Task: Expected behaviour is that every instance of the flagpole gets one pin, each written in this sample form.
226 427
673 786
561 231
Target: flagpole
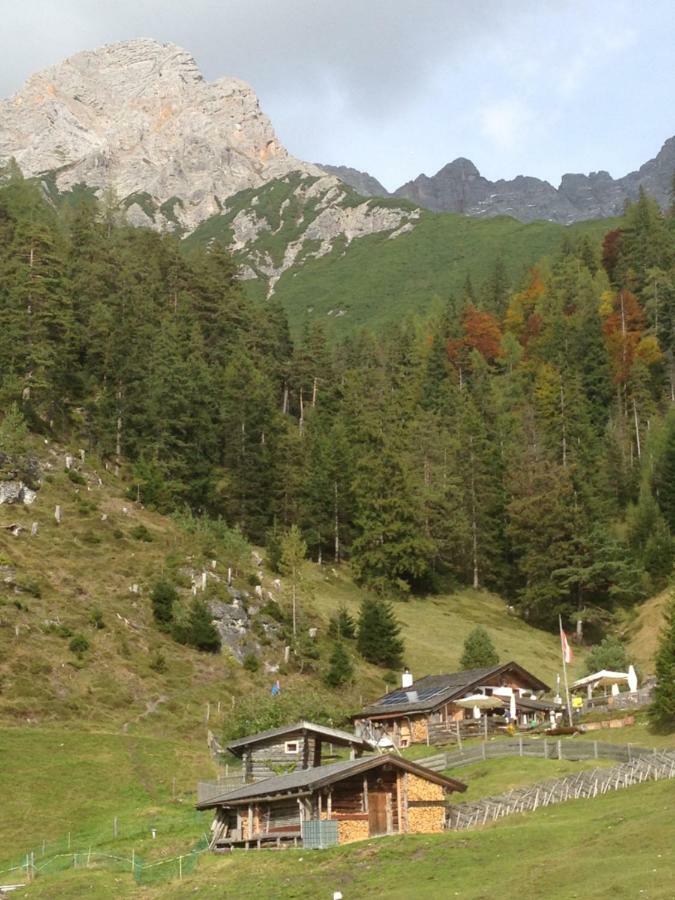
564 662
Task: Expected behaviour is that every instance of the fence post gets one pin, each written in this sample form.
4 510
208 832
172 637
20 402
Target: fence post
69 840
459 736
545 748
180 868
630 757
483 746
559 749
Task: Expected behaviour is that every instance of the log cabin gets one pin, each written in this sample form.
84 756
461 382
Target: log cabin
332 804
437 705
301 745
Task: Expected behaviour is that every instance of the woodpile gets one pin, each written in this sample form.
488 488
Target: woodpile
423 819
419 731
421 789
352 830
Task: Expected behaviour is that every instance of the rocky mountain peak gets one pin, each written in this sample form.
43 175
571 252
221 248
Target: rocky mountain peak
138 116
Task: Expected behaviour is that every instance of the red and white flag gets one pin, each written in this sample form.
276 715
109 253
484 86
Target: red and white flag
566 649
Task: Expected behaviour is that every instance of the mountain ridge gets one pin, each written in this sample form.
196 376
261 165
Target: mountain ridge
459 187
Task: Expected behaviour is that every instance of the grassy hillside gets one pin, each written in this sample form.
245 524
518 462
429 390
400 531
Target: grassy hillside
52 584
643 631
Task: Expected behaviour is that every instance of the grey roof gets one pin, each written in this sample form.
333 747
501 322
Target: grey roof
310 779
427 693
333 735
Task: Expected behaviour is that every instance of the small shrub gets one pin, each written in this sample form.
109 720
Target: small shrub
78 645
253 580
141 533
91 538
75 476
158 662
117 534
29 586
251 662
96 618
86 508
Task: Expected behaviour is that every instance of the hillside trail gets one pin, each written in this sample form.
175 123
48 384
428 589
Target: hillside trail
151 706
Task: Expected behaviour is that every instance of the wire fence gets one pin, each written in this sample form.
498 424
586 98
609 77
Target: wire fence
108 848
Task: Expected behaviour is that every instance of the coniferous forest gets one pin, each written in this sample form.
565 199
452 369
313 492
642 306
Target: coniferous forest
522 441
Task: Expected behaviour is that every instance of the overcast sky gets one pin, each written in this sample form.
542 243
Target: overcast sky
399 87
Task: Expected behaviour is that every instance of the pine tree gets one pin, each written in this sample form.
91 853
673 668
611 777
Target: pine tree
662 709
478 651
293 553
378 639
163 597
341 670
610 654
202 633
342 626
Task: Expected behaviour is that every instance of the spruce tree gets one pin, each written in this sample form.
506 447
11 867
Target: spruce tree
662 709
341 670
478 651
378 639
342 626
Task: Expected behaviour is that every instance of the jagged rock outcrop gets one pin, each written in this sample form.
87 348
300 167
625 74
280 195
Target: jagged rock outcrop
362 182
16 492
459 187
139 117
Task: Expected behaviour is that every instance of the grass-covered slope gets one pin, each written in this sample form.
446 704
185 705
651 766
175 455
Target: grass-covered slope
617 846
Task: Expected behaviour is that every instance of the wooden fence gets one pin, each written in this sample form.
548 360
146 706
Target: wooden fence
589 783
541 748
207 790
625 700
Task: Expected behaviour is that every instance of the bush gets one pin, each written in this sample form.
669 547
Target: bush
89 537
479 651
158 662
251 662
75 476
96 618
141 533
79 645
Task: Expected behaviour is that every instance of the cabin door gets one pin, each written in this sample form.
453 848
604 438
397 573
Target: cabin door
377 813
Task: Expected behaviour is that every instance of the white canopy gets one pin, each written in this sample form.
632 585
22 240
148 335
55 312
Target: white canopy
603 678
481 701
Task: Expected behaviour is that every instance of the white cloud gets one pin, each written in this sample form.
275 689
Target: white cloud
506 122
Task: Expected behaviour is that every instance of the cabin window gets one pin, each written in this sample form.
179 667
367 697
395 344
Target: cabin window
291 746
488 692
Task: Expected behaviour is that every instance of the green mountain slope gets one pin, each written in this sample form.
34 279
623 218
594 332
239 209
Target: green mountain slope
370 279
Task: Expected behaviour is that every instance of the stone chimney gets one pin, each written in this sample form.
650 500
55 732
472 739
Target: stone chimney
406 678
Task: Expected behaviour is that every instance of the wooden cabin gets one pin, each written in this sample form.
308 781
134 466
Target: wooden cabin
302 745
332 804
437 705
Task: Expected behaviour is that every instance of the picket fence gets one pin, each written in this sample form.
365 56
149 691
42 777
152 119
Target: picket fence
589 783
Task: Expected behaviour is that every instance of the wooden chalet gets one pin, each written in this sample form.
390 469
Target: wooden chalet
438 705
298 746
332 804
